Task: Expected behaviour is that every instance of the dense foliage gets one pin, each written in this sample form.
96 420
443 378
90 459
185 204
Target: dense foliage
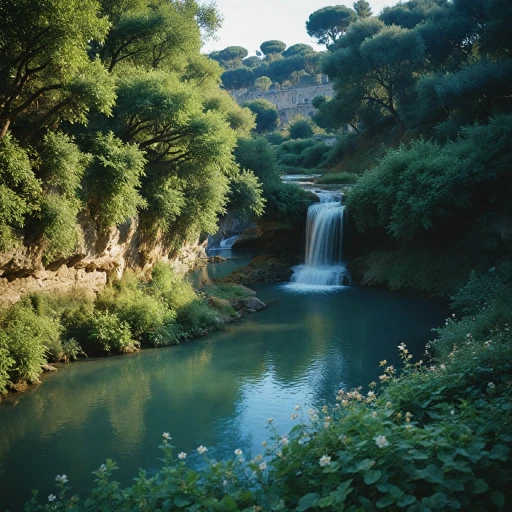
129 314
108 109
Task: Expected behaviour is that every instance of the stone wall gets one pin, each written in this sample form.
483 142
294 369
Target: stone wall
291 101
96 259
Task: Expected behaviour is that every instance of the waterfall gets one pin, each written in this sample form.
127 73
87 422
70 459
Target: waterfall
323 265
229 242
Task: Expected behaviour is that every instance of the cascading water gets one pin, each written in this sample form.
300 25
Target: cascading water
229 242
324 246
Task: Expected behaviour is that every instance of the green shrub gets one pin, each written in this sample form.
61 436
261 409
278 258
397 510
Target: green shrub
113 181
197 319
169 333
6 363
287 202
275 138
59 226
314 156
300 128
19 191
246 195
171 287
110 334
28 337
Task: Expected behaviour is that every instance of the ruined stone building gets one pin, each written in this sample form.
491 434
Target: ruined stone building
290 101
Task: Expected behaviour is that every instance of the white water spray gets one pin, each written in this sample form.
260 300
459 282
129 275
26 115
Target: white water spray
324 266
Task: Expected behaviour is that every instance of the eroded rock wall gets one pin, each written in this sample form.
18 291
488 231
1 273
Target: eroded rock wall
95 261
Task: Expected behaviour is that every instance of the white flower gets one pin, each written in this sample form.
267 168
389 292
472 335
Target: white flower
325 461
453 315
63 479
284 440
202 449
166 436
370 394
270 420
225 483
182 455
264 444
103 468
298 406
381 441
314 417
374 414
241 460
293 416
491 386
263 466
52 497
238 452
452 412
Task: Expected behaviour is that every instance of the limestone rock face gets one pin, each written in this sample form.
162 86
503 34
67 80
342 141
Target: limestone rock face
96 259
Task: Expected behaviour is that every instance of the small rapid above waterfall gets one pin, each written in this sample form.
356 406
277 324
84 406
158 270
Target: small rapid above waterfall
323 268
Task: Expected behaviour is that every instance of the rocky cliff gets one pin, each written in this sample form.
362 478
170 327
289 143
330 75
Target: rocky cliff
96 259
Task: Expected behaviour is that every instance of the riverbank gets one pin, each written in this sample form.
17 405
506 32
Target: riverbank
130 314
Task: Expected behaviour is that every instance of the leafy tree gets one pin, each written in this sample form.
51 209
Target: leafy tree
263 83
298 49
260 157
238 78
19 191
300 128
376 64
233 56
240 119
251 62
362 8
328 24
44 62
281 70
267 116
272 47
62 168
246 195
410 14
312 63
113 181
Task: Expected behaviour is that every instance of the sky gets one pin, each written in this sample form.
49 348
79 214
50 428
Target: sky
248 23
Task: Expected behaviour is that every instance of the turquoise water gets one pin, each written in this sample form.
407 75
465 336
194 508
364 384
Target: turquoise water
218 391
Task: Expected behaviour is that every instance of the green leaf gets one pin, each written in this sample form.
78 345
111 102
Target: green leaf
406 500
435 502
372 476
182 501
500 452
479 486
385 502
326 501
308 501
498 498
229 503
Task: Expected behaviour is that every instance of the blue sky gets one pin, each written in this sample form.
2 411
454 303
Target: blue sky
248 23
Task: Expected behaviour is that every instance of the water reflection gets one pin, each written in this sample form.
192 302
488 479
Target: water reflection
218 391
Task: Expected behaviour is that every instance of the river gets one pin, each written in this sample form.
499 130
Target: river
218 391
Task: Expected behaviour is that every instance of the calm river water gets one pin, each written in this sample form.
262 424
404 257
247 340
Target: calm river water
218 391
